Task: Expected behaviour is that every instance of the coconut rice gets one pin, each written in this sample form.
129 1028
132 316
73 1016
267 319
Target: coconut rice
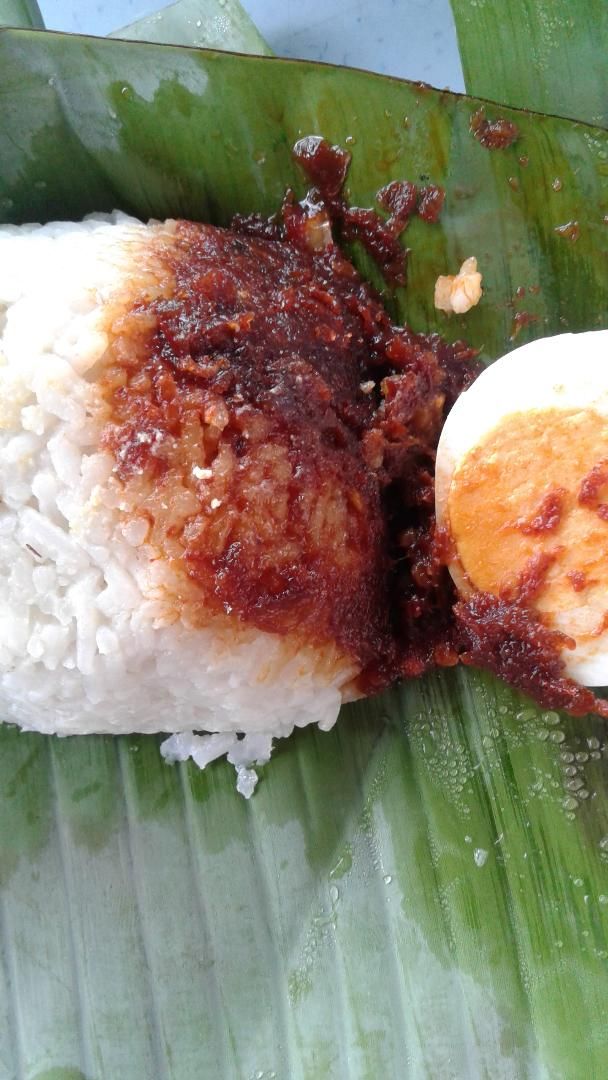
86 641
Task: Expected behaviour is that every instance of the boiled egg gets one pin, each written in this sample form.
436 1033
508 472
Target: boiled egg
522 473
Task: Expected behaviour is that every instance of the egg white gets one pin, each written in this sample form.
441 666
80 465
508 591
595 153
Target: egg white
569 371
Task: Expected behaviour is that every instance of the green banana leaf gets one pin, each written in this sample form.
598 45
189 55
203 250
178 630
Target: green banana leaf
423 891
215 24
21 13
537 54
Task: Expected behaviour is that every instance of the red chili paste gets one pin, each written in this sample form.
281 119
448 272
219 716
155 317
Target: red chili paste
493 134
548 517
317 420
578 580
594 482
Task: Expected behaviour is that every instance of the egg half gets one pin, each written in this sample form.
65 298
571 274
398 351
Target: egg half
522 473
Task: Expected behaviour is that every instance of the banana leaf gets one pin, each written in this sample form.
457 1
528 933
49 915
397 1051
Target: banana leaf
422 891
21 13
548 56
216 24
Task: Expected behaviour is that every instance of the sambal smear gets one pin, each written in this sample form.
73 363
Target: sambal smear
277 433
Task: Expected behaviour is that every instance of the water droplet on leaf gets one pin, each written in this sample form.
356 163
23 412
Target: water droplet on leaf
557 737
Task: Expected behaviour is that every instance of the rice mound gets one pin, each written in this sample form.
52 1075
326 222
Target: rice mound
83 644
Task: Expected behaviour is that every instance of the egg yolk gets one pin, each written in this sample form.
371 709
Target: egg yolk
535 485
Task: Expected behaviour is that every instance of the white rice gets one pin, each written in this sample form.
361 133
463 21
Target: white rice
83 643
